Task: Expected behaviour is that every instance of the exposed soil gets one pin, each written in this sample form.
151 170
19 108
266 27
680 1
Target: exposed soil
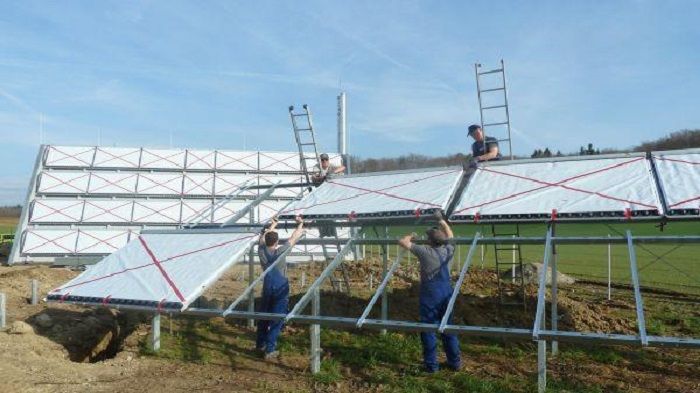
70 348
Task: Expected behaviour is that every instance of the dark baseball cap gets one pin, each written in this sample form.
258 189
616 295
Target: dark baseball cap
473 128
323 156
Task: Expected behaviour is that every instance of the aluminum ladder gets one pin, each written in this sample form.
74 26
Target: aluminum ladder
305 138
492 92
509 258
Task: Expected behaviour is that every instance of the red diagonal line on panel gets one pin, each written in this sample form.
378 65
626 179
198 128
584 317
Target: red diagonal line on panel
67 156
164 158
162 270
107 211
233 185
198 159
239 160
56 211
683 162
149 264
678 160
379 191
194 211
105 241
197 185
579 176
113 183
50 241
156 184
282 161
158 212
383 193
117 157
65 183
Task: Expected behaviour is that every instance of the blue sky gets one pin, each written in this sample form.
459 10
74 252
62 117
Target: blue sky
221 74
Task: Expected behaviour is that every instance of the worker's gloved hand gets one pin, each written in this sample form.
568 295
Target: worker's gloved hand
473 163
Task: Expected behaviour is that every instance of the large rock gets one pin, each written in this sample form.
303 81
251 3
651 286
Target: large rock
20 327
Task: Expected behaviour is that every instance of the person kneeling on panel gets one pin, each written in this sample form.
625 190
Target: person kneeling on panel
275 295
435 290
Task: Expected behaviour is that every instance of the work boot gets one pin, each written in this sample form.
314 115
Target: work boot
271 356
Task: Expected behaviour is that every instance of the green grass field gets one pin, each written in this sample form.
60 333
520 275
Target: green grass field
677 269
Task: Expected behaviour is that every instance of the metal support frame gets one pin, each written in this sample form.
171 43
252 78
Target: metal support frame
458 284
554 292
34 297
241 213
155 332
315 333
321 278
385 272
3 310
380 291
208 212
641 323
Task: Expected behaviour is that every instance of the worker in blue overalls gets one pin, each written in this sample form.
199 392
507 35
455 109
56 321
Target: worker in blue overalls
435 290
275 295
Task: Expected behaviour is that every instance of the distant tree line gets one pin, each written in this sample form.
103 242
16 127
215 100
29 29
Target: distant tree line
683 139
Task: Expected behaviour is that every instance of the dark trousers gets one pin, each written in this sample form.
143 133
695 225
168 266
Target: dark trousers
433 304
275 299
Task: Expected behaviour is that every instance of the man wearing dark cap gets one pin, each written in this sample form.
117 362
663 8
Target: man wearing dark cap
325 170
435 290
483 149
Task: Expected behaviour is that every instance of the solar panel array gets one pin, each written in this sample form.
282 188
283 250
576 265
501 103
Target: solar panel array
90 201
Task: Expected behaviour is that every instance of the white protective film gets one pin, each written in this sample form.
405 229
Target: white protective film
237 160
69 156
49 241
229 209
117 157
60 182
162 159
198 210
397 193
198 184
606 185
679 175
101 241
157 211
159 183
112 182
282 192
201 159
159 268
56 211
107 211
279 162
226 183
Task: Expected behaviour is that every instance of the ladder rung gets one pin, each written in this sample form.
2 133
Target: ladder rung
493 107
299 114
303 129
307 144
491 71
494 89
495 124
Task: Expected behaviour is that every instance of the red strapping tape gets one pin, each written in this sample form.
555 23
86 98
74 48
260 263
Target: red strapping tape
352 216
63 298
628 213
417 212
554 214
477 217
160 305
105 301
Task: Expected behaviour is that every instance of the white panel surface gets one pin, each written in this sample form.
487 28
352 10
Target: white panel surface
112 182
117 157
49 241
569 187
157 211
57 211
279 162
268 209
101 241
228 210
192 208
266 180
679 175
237 160
201 159
400 193
63 182
75 156
198 184
107 211
163 159
159 183
159 269
225 183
